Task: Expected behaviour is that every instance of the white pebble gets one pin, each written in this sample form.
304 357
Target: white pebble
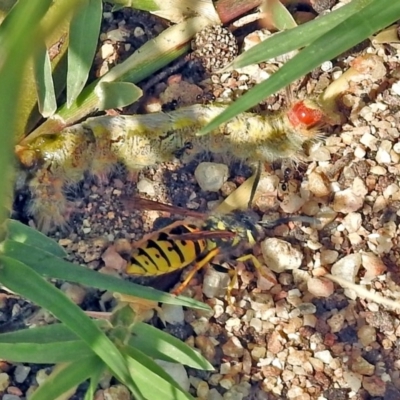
352 222
177 372
146 186
211 176
21 373
347 201
347 268
106 50
369 140
280 255
173 314
215 283
292 203
383 156
359 152
320 287
324 355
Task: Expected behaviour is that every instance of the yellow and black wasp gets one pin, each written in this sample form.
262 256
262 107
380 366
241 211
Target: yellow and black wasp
183 243
210 237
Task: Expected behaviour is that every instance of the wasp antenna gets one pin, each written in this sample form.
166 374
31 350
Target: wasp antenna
293 218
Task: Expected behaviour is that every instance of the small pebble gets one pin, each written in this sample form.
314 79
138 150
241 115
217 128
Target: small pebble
347 267
233 348
318 185
367 335
347 201
373 265
336 323
173 314
320 287
307 308
324 355
177 372
21 373
353 380
361 366
280 255
74 292
375 386
146 186
4 381
328 256
211 176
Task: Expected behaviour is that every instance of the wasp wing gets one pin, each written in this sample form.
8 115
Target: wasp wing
139 203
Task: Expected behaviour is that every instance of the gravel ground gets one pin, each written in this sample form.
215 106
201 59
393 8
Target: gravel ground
296 335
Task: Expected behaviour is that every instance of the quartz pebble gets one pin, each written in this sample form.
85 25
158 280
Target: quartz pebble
177 372
367 335
173 314
146 186
233 348
74 292
347 201
318 185
211 176
21 373
280 255
4 381
320 287
361 366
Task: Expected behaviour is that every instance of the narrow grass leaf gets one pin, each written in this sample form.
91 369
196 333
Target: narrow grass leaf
280 15
18 38
49 344
151 379
21 233
65 378
53 267
285 42
83 37
95 377
23 280
161 345
47 101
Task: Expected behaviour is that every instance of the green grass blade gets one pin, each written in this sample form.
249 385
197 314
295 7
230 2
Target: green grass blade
161 345
47 101
21 233
152 380
83 36
345 35
95 377
53 267
15 44
49 344
280 15
66 377
284 42
23 280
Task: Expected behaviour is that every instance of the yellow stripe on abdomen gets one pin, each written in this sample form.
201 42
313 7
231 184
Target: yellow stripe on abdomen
163 255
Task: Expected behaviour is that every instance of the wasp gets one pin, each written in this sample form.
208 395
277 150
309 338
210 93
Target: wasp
208 239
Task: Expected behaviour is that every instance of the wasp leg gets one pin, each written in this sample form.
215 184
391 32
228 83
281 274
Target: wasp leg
233 275
198 266
257 265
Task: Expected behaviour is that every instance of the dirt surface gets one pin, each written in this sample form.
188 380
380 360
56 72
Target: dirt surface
293 335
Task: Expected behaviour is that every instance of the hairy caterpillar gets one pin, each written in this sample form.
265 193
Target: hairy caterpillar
139 141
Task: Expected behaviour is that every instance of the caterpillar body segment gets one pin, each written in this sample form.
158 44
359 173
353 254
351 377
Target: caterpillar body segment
138 141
